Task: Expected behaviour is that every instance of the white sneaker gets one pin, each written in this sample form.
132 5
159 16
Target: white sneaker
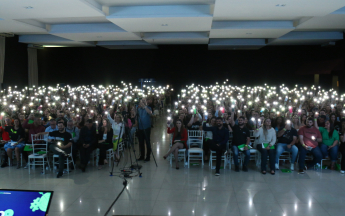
342 171
317 166
277 166
292 167
217 174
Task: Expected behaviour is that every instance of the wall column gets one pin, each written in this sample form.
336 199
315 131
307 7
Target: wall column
2 60
316 79
335 82
32 67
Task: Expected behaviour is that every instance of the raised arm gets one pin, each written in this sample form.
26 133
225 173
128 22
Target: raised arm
191 121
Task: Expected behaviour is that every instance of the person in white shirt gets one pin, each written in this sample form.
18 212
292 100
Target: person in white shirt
266 134
118 130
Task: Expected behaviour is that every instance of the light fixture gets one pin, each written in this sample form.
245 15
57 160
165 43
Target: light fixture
164 24
28 7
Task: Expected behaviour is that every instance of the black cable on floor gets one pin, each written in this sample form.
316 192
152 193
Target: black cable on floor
118 196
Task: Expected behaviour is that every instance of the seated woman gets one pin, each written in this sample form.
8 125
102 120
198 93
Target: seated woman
17 144
105 136
179 140
330 141
266 134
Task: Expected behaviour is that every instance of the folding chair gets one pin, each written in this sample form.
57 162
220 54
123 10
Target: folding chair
43 147
195 151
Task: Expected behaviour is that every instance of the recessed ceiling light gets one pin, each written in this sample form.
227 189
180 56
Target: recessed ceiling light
280 5
164 24
28 7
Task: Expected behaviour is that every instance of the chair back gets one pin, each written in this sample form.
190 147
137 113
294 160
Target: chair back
40 141
195 138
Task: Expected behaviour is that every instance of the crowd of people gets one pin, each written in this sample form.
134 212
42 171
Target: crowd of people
307 122
77 121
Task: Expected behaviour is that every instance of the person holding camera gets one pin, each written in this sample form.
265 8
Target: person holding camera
144 132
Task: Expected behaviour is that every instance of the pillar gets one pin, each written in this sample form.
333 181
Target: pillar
316 79
32 67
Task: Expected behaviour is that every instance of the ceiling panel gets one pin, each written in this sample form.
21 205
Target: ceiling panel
330 21
250 29
152 2
236 44
13 26
71 20
273 9
38 9
306 38
92 32
162 18
51 40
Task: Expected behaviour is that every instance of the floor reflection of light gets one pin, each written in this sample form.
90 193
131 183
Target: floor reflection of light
99 209
309 204
193 211
250 202
295 207
61 205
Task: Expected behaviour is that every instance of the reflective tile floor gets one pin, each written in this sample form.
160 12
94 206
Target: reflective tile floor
163 190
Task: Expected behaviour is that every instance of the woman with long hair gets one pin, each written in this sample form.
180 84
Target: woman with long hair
105 136
295 122
303 120
17 135
265 145
118 130
179 140
333 121
330 140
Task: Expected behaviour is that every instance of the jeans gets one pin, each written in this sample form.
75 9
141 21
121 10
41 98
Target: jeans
61 152
144 136
333 152
219 153
264 153
281 147
235 151
316 152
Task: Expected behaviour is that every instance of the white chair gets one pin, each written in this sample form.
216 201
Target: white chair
110 155
42 142
69 160
195 151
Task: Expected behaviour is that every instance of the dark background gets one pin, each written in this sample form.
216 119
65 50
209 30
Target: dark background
176 65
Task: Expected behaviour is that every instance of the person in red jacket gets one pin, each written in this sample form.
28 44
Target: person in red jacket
5 137
179 139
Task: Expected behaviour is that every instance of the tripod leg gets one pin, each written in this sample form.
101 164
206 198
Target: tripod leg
154 158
